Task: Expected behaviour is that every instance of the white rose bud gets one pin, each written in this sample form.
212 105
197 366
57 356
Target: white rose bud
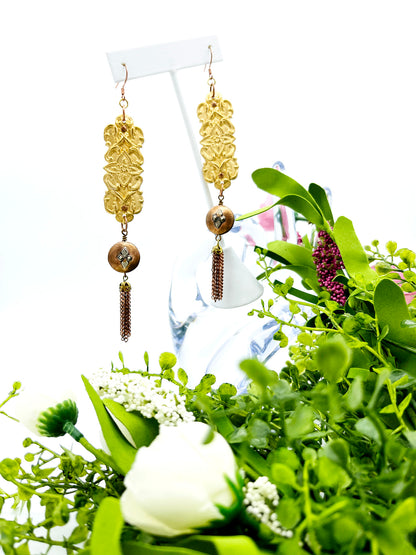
177 484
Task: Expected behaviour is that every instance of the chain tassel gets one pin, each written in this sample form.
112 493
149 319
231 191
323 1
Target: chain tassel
217 273
125 313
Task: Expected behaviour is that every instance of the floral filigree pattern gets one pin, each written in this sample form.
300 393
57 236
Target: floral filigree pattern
123 170
217 141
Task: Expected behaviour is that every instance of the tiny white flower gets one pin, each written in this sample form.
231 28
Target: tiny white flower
261 498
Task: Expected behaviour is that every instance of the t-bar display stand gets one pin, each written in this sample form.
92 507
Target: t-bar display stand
169 57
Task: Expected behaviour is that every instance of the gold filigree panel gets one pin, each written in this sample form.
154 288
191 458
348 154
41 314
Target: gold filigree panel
217 141
124 168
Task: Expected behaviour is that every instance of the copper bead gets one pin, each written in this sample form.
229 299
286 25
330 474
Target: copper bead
220 219
124 257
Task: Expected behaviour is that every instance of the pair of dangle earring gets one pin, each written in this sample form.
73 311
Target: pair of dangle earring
220 168
123 180
123 198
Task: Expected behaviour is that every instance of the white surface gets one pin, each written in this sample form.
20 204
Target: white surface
327 87
160 58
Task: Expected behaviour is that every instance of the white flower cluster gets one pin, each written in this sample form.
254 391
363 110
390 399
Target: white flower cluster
136 392
261 499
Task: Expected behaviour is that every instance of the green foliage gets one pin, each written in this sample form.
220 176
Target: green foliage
334 430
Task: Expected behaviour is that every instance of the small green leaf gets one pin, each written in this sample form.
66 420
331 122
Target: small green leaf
78 534
346 529
167 361
146 359
337 451
404 404
24 493
227 390
9 468
391 247
367 428
282 474
257 372
301 422
182 376
331 475
355 394
305 338
288 513
333 359
384 332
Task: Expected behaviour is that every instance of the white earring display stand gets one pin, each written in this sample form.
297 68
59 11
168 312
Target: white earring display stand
170 58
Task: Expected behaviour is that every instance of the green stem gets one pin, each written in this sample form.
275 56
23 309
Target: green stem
34 491
99 454
49 541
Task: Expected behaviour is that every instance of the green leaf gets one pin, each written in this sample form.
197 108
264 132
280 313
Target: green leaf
24 494
257 372
355 394
22 549
321 199
167 361
223 545
391 247
142 430
258 432
403 517
301 422
331 475
345 530
182 376
282 474
78 534
367 428
305 338
140 548
255 212
288 513
304 207
108 524
337 451
391 310
227 390
9 468
121 451
352 253
294 254
333 358
390 542
404 404
281 185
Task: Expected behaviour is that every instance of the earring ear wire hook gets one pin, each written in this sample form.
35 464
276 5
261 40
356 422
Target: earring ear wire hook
123 101
211 80
125 79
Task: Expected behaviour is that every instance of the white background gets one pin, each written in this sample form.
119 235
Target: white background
325 86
